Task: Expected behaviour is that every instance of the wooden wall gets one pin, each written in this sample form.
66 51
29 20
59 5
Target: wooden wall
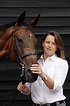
54 15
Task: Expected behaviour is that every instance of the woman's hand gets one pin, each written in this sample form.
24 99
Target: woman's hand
36 69
23 88
20 86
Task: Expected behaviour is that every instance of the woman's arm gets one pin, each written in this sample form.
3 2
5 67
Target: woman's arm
47 80
36 68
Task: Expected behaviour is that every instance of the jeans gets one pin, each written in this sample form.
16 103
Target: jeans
62 104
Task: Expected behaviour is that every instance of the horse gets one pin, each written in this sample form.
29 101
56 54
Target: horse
18 42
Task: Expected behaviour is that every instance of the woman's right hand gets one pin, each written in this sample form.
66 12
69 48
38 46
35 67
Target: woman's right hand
20 87
23 88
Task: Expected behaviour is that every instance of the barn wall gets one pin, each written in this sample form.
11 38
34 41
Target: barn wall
54 15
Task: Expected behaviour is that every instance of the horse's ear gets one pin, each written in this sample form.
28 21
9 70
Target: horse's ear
20 19
34 21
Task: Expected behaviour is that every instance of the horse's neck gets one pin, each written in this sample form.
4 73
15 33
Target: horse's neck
5 36
1 33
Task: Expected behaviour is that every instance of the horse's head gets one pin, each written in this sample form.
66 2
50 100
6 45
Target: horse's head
19 43
24 45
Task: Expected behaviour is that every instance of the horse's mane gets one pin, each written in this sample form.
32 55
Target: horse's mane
5 26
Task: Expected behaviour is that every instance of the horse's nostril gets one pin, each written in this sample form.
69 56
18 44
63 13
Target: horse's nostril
29 70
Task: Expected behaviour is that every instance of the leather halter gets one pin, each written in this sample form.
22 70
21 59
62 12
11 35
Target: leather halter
18 56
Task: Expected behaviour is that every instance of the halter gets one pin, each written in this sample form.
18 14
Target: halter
18 56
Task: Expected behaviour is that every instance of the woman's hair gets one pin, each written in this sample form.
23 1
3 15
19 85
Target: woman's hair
59 43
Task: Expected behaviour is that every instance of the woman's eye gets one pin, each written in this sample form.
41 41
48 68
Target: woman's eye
53 43
47 42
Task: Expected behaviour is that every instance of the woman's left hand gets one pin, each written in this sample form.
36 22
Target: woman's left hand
36 68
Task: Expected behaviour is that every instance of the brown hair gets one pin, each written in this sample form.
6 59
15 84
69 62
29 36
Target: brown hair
59 43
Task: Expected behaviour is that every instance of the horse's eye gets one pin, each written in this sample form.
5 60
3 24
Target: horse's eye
20 40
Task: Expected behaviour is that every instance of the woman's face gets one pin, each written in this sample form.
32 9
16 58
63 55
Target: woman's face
49 46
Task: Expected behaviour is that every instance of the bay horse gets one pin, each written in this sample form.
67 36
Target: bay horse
18 42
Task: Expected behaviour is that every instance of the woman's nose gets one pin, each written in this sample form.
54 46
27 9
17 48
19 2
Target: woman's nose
50 44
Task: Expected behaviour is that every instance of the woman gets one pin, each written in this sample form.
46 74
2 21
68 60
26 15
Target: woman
52 69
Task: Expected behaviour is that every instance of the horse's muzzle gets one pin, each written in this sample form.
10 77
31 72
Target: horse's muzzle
28 76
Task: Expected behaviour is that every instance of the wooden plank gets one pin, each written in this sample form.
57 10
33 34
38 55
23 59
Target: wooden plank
43 30
67 102
67 84
16 103
33 11
8 85
43 21
52 21
10 94
66 93
9 75
34 3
